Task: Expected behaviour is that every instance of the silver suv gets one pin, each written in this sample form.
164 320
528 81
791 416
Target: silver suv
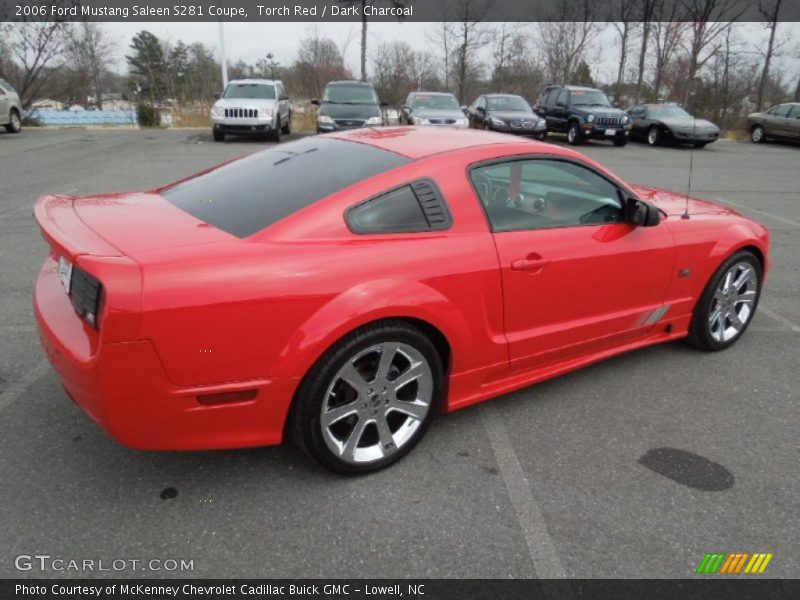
252 106
10 108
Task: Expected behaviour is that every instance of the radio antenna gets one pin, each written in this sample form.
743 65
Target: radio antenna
685 214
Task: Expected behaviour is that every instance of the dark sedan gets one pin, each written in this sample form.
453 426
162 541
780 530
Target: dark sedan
506 113
660 123
779 122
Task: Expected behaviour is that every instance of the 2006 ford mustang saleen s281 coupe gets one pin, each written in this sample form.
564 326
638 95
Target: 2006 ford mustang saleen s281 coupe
342 289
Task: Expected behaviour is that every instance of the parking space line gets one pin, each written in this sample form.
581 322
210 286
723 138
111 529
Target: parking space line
540 545
759 211
779 318
20 387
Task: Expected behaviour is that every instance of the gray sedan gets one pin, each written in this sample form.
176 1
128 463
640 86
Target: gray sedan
432 108
779 122
10 108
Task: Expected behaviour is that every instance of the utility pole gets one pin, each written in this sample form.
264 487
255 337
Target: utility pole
222 60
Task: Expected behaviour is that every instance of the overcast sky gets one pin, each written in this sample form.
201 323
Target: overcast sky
252 41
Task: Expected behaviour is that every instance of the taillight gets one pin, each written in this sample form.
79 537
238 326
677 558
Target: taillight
86 294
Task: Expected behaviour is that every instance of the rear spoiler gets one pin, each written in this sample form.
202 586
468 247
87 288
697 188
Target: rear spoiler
64 230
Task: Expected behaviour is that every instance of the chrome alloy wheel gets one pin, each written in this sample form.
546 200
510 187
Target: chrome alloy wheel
652 136
16 125
376 402
733 302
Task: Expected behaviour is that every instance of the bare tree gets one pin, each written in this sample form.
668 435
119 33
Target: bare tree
563 43
647 9
90 50
318 62
705 28
362 6
442 38
393 80
471 34
770 10
667 38
623 16
36 50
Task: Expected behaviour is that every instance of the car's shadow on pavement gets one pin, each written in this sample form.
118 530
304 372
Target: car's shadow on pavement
245 140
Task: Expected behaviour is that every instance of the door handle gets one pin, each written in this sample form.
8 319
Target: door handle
532 263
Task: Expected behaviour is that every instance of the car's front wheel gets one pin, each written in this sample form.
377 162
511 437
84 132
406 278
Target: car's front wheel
574 134
369 399
758 134
219 134
653 138
14 124
728 303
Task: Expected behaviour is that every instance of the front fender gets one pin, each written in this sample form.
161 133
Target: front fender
363 304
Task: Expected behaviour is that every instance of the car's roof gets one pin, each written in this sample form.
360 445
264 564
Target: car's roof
256 81
350 82
419 92
419 142
496 95
584 88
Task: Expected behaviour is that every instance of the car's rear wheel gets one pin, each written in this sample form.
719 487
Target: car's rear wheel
653 138
486 126
728 303
757 134
219 135
14 124
574 134
369 399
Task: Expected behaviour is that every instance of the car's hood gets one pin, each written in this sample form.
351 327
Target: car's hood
687 123
140 222
245 103
514 115
349 111
601 111
674 203
431 113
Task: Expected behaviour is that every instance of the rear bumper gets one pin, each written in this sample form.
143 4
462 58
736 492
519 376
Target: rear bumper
124 387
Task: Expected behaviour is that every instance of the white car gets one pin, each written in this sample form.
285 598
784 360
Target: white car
252 107
10 108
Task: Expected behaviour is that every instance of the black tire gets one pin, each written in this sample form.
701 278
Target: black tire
574 137
486 126
758 135
305 418
619 142
653 136
275 134
541 136
219 135
700 330
287 129
15 122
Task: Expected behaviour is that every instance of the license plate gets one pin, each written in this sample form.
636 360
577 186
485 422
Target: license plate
611 132
64 272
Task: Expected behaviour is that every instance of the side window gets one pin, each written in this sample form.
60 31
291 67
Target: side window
782 110
562 96
795 114
416 207
542 101
481 103
545 193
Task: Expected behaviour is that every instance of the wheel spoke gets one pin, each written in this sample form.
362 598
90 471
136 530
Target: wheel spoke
349 449
337 414
743 278
747 297
353 378
413 373
388 352
726 284
715 316
735 320
415 409
385 434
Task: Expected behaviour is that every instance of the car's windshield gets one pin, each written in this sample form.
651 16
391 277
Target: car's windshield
350 94
435 102
510 103
663 112
250 90
589 98
6 87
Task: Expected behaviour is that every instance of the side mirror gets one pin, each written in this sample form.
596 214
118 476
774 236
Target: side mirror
641 214
481 110
217 95
464 109
407 109
561 104
315 102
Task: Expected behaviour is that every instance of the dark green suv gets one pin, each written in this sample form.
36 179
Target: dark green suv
582 113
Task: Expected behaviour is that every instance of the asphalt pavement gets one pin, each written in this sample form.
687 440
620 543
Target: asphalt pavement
635 467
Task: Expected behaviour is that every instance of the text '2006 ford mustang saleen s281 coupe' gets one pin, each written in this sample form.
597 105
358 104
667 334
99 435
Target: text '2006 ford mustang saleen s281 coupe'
342 289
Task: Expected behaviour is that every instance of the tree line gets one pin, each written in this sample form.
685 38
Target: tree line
709 66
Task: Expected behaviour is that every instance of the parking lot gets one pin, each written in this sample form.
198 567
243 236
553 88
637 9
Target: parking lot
555 480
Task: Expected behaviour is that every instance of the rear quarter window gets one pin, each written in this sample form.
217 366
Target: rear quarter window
250 194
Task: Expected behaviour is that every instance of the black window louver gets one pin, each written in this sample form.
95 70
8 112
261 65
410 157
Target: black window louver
432 203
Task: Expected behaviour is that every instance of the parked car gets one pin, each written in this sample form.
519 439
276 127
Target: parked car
660 123
506 113
348 105
432 108
389 275
252 106
781 122
10 108
583 113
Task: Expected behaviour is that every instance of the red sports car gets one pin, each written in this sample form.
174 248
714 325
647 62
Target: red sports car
342 289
